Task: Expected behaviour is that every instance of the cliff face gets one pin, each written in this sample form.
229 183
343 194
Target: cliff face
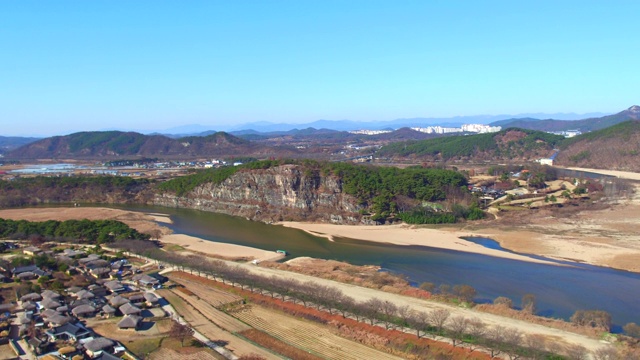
275 194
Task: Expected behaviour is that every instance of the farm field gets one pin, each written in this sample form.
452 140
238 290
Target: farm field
214 297
212 314
211 331
315 338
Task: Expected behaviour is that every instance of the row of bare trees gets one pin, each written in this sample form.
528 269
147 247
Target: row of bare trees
471 333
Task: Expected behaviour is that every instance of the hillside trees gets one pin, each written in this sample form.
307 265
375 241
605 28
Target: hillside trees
84 231
381 191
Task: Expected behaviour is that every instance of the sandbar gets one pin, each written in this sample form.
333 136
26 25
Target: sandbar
230 251
409 235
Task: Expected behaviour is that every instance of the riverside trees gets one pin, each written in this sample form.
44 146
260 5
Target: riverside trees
83 231
438 322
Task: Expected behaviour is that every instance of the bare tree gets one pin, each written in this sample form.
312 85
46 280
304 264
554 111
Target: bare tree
180 331
428 286
513 341
464 292
537 344
576 352
372 309
457 328
593 318
607 353
632 329
529 303
404 313
503 301
438 318
419 321
388 310
496 336
476 329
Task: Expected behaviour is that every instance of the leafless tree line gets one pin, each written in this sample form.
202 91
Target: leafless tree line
462 331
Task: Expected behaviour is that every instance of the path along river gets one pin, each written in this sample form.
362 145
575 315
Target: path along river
559 290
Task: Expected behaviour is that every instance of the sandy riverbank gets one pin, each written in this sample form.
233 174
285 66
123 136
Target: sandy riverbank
606 237
146 223
228 251
407 235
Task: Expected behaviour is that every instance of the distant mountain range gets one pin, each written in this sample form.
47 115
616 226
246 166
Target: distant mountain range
315 142
117 144
349 125
8 143
615 147
584 125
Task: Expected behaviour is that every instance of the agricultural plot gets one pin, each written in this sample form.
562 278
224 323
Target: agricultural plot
212 314
211 331
315 338
214 297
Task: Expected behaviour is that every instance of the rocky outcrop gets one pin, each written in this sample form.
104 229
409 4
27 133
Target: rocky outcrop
285 192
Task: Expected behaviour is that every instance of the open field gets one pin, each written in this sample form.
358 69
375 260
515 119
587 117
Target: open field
315 338
212 314
199 323
151 341
213 296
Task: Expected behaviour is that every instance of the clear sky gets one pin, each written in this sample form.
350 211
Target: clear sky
69 66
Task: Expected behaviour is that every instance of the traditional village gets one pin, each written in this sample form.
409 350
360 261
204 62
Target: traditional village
45 318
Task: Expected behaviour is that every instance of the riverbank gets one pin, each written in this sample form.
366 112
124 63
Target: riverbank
449 239
602 237
218 249
149 223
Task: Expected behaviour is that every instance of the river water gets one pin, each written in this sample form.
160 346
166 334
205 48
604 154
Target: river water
559 290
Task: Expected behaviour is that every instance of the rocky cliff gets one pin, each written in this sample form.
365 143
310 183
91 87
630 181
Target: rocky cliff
286 192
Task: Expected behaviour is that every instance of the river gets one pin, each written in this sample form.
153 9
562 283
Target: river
559 290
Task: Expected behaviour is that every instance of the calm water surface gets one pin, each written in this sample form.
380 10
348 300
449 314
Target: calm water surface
560 290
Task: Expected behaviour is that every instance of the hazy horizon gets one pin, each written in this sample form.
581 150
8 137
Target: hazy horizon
155 65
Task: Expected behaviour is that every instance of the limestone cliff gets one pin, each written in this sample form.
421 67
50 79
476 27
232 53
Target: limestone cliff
285 192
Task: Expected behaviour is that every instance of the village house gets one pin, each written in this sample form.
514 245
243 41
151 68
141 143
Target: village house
67 331
137 299
73 253
129 309
130 322
108 311
48 303
31 251
151 299
118 301
114 286
84 311
98 346
31 297
59 320
145 280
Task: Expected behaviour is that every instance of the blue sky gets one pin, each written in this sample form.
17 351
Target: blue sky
71 66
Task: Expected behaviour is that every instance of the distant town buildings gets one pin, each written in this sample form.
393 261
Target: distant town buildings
567 133
369 132
473 128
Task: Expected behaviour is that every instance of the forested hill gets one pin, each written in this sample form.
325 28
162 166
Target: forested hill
310 190
508 144
614 148
584 125
112 144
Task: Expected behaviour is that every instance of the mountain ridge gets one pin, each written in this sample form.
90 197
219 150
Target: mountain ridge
114 144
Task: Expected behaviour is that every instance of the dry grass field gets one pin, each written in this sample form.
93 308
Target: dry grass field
312 337
201 324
